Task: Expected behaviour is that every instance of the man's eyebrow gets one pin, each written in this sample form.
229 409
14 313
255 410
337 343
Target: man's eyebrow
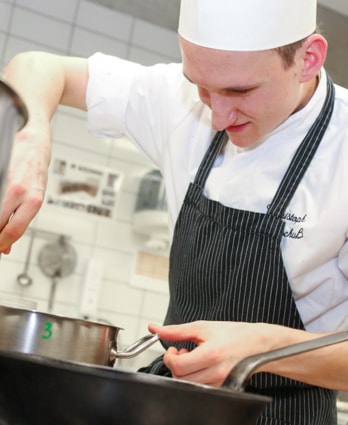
239 89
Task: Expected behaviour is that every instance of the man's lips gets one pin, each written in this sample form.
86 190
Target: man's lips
236 128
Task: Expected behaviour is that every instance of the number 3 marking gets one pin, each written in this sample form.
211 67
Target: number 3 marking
48 331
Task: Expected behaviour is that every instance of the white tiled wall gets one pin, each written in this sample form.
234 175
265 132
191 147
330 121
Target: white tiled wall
79 27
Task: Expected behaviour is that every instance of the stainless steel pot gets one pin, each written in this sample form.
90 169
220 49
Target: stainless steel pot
60 337
13 116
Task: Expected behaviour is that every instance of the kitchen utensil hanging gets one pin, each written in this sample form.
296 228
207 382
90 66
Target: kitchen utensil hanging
57 260
24 279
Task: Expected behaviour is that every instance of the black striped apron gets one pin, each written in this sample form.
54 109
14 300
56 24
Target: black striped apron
226 264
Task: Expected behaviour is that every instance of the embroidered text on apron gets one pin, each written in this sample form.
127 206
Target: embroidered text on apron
226 265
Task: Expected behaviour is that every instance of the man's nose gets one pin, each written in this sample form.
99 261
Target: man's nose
223 113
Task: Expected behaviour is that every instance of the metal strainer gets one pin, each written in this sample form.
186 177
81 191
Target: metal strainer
57 259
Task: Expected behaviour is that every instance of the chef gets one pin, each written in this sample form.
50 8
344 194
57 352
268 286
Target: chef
251 136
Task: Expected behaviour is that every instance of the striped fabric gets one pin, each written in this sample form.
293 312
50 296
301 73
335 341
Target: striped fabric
226 265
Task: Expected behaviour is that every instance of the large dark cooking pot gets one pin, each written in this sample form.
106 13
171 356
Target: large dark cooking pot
65 338
41 391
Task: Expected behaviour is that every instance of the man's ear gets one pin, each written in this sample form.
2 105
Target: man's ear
313 56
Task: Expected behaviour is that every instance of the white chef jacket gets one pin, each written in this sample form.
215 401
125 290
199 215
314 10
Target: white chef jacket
160 111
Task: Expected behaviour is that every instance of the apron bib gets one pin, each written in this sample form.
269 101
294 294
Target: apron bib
226 265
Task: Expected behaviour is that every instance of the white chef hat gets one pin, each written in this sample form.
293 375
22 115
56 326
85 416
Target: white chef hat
246 25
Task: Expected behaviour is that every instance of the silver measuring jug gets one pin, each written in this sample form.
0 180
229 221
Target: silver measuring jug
13 117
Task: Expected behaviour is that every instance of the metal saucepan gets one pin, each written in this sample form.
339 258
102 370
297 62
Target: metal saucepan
60 337
37 390
13 116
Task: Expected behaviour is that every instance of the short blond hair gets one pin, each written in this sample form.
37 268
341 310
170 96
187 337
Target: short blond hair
287 53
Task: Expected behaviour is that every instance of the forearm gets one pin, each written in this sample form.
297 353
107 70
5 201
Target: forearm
43 81
221 345
325 367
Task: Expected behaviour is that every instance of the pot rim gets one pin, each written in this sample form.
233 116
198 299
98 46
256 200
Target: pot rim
44 314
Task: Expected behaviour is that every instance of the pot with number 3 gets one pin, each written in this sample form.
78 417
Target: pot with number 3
60 337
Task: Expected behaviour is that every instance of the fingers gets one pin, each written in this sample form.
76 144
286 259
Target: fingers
183 362
193 332
15 220
194 366
7 249
216 350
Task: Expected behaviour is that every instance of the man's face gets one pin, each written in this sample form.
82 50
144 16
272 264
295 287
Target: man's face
249 93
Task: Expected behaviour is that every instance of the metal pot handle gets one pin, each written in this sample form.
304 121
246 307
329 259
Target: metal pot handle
242 371
134 349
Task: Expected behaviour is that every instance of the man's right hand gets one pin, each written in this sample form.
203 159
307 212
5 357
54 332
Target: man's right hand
25 185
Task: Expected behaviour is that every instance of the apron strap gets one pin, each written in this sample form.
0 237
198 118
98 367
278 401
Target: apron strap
207 163
303 156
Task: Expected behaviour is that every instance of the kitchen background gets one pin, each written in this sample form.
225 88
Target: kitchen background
121 262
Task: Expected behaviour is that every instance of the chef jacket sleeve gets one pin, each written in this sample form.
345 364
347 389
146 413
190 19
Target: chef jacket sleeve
148 104
107 94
